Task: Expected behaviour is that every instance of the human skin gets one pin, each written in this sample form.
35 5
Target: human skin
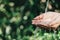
47 20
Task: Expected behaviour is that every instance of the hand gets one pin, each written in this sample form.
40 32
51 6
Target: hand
48 20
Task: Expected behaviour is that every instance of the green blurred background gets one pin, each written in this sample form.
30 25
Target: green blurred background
16 19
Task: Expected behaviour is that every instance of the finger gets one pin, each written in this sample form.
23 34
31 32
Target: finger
33 21
39 17
36 22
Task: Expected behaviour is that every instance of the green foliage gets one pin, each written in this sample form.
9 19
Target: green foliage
16 20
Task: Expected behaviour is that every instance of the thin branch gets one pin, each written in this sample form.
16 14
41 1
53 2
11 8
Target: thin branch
46 9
